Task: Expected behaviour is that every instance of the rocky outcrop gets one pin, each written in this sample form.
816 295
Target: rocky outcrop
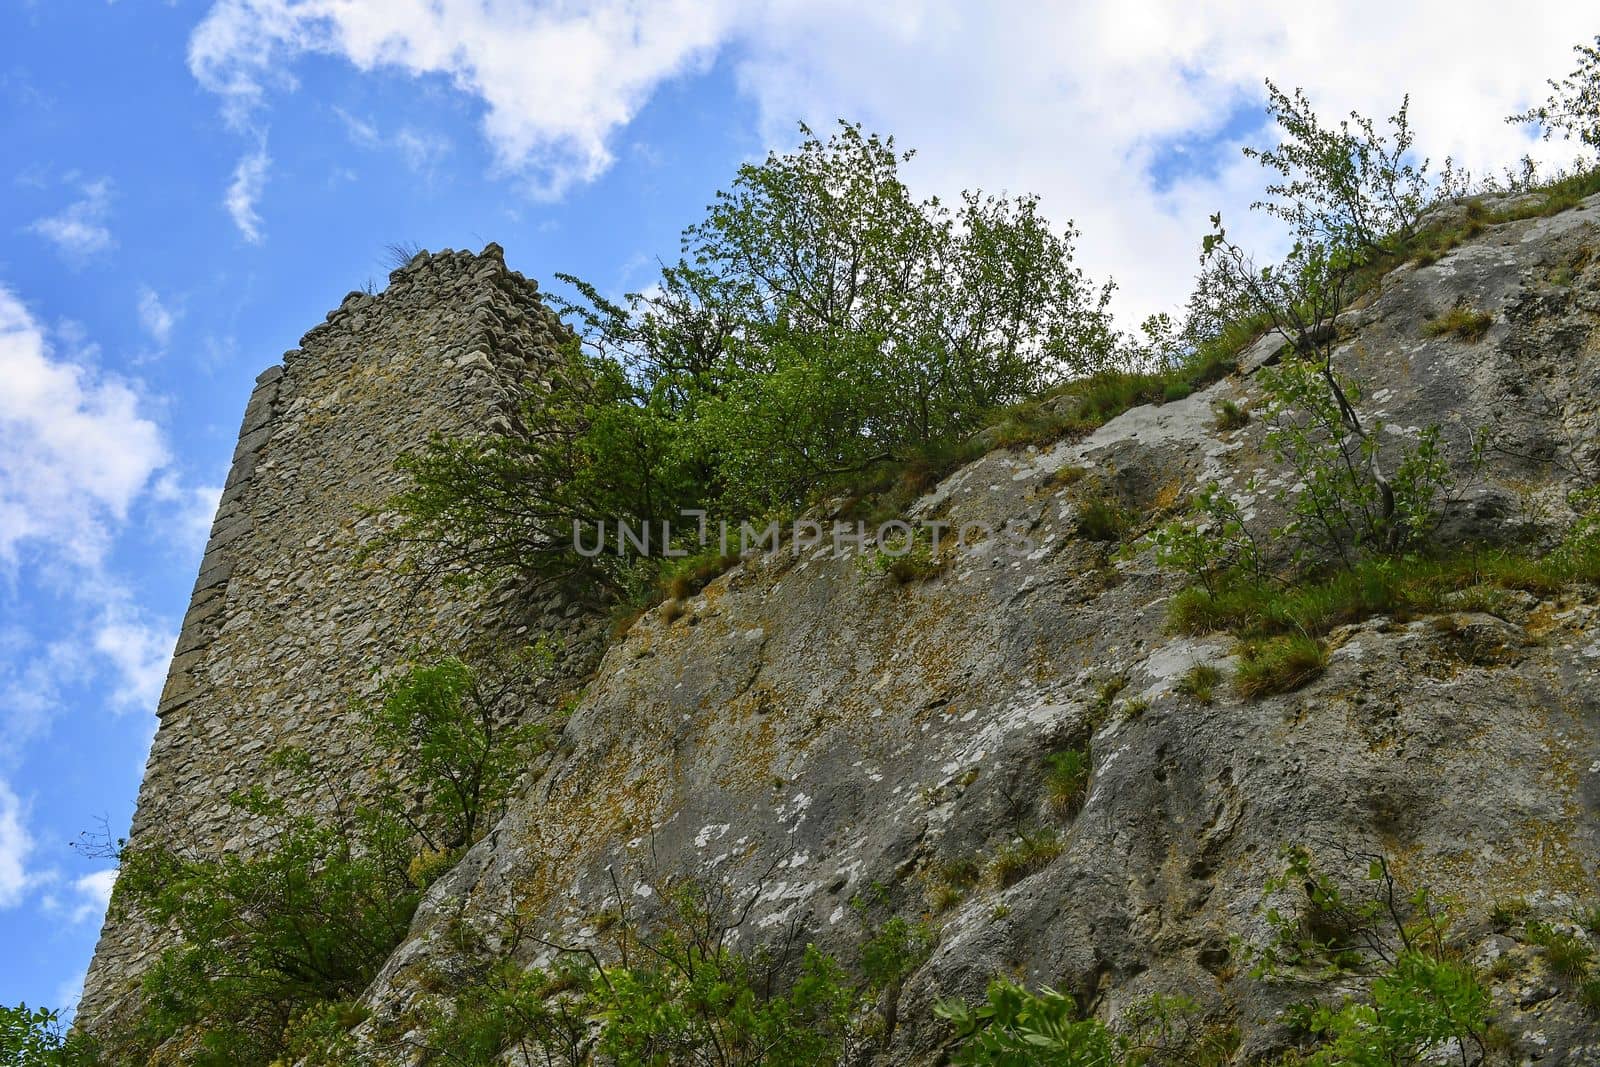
809 730
814 732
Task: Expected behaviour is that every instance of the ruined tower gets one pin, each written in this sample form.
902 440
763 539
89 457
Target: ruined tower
284 627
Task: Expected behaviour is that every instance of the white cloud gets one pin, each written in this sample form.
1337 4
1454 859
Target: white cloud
75 450
79 231
244 192
556 80
1078 102
193 508
15 848
139 652
94 892
155 317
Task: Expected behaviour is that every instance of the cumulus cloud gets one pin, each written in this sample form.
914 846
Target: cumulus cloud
79 231
139 652
556 80
244 192
94 894
1091 104
75 449
155 317
15 848
1126 115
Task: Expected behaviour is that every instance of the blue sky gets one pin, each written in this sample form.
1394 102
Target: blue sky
190 186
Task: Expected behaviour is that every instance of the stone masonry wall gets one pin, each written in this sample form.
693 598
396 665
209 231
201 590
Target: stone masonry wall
284 628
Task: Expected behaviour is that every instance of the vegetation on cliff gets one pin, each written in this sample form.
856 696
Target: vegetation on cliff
824 332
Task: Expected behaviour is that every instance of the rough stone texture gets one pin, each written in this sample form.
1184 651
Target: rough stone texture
838 730
284 628
816 730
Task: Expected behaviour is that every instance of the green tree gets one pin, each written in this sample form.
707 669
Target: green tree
1573 108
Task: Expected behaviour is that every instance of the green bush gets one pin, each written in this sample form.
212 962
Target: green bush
276 943
1066 779
1423 1001
674 990
1278 665
37 1037
1017 1027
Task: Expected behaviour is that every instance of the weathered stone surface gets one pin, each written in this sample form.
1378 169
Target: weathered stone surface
843 731
284 629
816 730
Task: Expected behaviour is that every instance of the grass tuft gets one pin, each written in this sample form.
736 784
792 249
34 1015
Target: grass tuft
1279 664
1230 416
1201 682
1066 779
1463 323
1030 852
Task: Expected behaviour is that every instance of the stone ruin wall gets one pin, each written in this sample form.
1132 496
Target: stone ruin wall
284 627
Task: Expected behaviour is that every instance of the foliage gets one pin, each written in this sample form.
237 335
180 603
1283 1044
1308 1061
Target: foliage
1066 779
1461 322
1422 997
276 943
1214 542
1279 664
448 729
673 990
270 936
36 1037
1030 851
820 322
1347 187
1017 1027
1573 108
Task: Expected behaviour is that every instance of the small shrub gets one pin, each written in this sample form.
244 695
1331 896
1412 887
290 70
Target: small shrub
1569 954
1017 1026
1103 518
1278 665
1506 913
1230 416
1031 851
1176 391
1066 779
1201 682
1463 323
950 880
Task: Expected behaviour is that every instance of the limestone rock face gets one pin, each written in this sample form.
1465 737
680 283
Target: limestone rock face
814 733
810 731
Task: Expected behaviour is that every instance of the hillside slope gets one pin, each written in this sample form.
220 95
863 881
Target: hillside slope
811 733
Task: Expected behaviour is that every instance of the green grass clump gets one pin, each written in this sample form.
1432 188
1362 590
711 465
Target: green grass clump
1031 851
1066 779
950 881
1279 664
1230 416
1463 323
1402 588
1103 518
1568 954
1201 682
